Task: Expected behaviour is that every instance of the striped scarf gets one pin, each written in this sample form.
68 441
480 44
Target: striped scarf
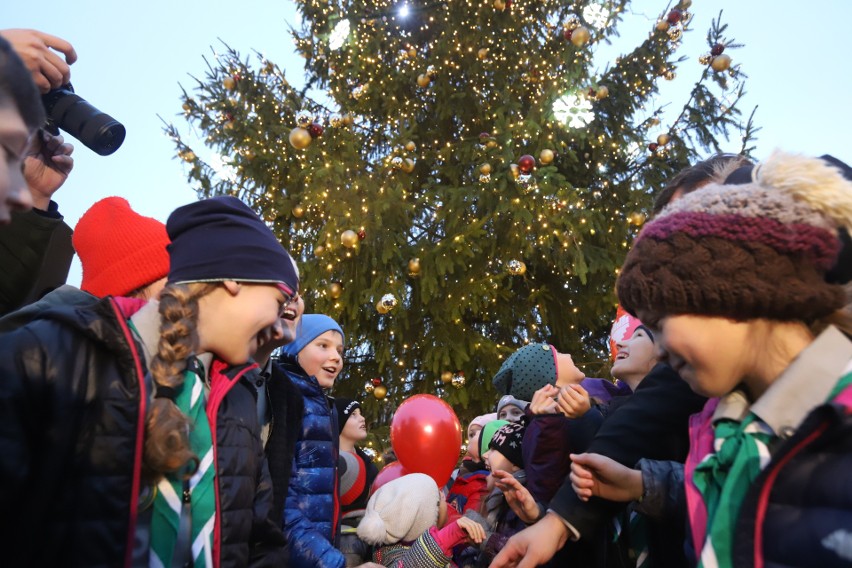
199 491
741 451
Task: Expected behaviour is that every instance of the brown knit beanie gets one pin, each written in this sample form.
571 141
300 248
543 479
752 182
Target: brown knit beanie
759 250
120 250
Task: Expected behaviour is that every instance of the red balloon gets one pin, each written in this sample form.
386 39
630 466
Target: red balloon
526 163
390 472
426 436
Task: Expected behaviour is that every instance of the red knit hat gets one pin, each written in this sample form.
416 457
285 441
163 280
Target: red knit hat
120 250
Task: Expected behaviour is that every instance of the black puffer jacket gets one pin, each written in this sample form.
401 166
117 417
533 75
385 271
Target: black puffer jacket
72 407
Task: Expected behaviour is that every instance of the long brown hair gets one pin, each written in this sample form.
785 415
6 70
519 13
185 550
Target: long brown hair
166 427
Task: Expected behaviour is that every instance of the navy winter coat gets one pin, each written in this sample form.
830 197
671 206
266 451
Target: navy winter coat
311 518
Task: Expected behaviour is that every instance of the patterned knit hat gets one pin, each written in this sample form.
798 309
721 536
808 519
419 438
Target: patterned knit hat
119 249
527 370
508 440
401 510
760 250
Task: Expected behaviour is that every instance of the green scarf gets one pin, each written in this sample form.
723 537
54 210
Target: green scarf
168 500
724 477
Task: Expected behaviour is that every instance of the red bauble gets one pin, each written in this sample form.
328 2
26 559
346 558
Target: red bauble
376 382
362 234
526 163
717 49
653 146
484 136
315 130
674 17
566 33
508 3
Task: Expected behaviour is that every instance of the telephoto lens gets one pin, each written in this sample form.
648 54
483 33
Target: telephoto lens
68 111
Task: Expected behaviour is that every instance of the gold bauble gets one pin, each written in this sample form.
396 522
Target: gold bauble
319 250
300 138
335 290
187 107
298 211
546 156
381 308
684 4
410 146
663 139
348 120
380 392
482 53
721 62
414 267
407 165
230 124
188 156
423 80
229 83
516 267
491 144
349 238
515 170
636 218
499 5
662 26
412 53
603 92
485 169
446 377
580 36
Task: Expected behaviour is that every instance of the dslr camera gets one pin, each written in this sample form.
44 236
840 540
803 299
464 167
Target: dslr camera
70 112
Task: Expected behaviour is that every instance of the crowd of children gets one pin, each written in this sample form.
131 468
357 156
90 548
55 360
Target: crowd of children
144 422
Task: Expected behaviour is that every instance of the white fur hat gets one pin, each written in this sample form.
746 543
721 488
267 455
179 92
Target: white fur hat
401 510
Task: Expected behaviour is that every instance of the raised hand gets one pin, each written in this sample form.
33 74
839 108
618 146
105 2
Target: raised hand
573 401
36 49
474 530
518 497
46 167
600 476
543 400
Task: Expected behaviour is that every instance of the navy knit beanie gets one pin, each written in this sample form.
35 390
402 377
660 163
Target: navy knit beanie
223 239
311 327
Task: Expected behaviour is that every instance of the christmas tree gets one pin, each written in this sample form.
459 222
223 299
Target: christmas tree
459 178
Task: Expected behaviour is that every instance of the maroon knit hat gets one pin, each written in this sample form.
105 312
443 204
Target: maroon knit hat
759 250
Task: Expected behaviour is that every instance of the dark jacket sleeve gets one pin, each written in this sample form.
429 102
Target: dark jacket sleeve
287 409
35 253
653 423
548 440
665 496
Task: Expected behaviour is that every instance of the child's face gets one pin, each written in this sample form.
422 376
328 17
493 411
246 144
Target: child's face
323 358
473 445
567 372
636 356
472 430
236 317
14 143
355 428
496 461
712 354
511 413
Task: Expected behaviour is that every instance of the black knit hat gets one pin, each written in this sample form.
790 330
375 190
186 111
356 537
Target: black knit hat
507 440
222 239
345 407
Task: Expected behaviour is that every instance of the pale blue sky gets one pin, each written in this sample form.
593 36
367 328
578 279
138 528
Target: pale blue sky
133 55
